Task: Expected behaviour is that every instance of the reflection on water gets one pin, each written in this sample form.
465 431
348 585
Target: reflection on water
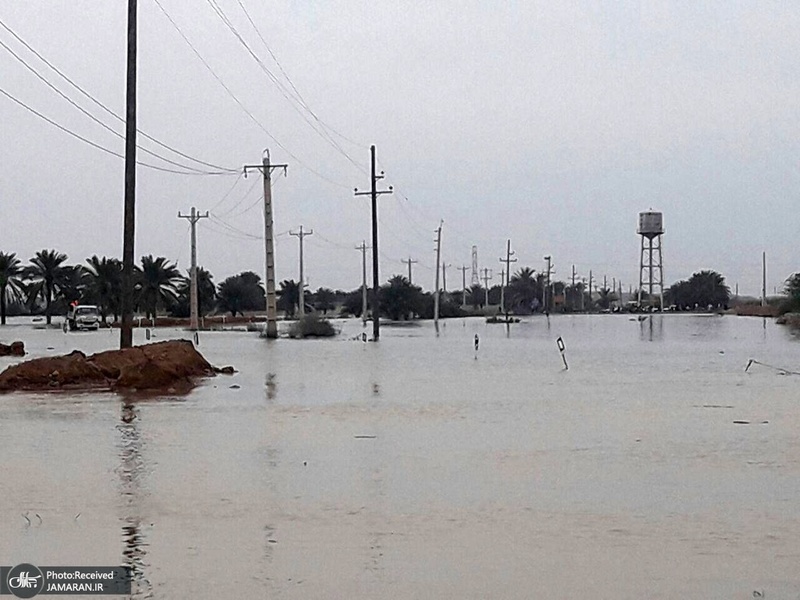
652 328
132 471
409 469
272 386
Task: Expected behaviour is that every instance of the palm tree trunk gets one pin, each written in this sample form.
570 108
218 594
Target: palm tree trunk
48 299
2 305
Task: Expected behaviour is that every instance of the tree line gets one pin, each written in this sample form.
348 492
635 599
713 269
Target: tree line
48 284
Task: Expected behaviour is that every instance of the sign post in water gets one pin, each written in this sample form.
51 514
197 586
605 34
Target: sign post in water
560 343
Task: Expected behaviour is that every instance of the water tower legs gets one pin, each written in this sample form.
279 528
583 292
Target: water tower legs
651 267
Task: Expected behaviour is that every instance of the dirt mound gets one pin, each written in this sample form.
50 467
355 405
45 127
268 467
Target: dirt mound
13 349
159 366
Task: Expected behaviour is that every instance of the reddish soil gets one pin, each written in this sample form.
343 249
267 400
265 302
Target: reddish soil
163 366
13 349
756 310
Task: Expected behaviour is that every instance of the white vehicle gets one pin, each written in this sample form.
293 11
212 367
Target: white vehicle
82 316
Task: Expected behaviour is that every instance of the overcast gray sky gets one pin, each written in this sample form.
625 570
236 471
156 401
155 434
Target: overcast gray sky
549 123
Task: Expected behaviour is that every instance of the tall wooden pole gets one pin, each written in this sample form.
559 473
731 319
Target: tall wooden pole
374 193
128 236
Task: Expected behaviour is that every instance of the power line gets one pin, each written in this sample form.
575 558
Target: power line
94 100
242 199
239 102
281 88
233 229
94 144
228 193
298 95
98 121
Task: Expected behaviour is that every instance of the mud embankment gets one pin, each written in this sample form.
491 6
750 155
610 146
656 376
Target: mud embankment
756 310
170 366
12 349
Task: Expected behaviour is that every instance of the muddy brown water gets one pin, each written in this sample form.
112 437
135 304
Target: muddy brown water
413 469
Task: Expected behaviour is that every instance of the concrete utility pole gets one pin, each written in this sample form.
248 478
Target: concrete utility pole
502 288
508 260
546 301
487 275
194 304
301 300
374 193
436 286
363 247
129 226
444 276
409 262
463 269
269 252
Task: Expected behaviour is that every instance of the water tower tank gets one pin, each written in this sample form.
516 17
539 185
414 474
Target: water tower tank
651 224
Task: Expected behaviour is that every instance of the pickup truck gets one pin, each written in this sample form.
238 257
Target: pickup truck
82 316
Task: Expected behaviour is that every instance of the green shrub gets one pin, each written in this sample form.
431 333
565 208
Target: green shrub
311 326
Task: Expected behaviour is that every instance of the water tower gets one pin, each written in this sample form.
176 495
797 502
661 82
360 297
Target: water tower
651 266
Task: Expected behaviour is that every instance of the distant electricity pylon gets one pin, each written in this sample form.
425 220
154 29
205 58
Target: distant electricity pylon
476 280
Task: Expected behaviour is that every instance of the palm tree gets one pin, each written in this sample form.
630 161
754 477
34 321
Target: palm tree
10 271
73 282
157 283
289 296
324 299
709 289
607 296
400 299
106 284
524 288
45 272
206 295
476 296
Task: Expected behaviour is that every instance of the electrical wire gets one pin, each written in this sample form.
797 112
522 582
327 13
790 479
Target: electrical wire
94 144
281 88
97 102
233 229
228 193
239 102
101 123
242 199
298 95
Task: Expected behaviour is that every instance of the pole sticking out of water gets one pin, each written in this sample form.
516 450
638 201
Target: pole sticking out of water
560 344
477 343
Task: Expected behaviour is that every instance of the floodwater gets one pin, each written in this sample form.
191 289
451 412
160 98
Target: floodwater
418 468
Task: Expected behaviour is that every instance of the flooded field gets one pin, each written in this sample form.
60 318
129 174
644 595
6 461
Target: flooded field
418 468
